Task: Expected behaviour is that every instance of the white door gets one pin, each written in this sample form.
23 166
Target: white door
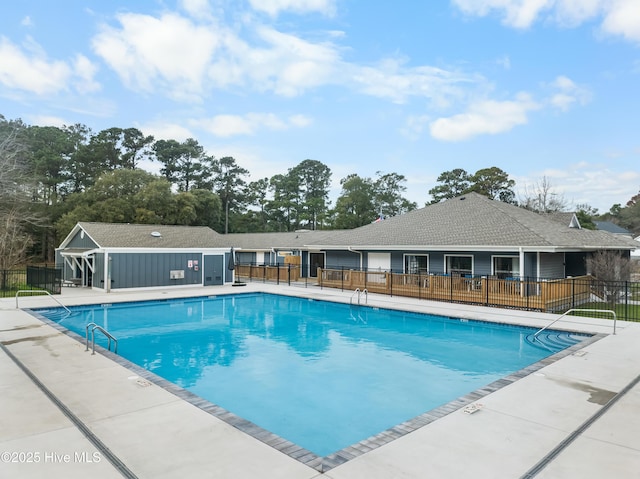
378 262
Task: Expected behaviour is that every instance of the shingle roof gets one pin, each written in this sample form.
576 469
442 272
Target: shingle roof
612 228
469 222
283 240
476 222
122 235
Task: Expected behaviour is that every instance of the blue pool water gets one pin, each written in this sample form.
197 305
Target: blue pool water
322 375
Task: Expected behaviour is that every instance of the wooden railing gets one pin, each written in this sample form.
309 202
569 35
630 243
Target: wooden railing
284 273
510 292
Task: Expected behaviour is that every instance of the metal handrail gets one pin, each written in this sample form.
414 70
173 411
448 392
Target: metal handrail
358 292
40 291
109 336
582 310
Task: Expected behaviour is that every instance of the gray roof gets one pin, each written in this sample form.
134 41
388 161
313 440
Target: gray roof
280 241
612 228
475 222
123 235
470 222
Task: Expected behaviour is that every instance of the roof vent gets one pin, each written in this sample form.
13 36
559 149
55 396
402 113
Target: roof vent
156 234
463 198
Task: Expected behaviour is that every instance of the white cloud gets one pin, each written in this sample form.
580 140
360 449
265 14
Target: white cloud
274 7
392 80
414 126
595 184
166 131
186 60
567 93
291 65
516 13
618 17
26 21
149 53
623 18
484 117
85 71
197 8
31 71
232 125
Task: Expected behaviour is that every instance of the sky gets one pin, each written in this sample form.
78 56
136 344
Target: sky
546 90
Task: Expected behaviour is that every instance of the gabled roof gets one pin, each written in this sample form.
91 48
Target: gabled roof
567 218
473 222
124 235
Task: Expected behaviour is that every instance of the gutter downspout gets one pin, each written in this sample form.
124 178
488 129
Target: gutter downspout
107 271
351 250
522 270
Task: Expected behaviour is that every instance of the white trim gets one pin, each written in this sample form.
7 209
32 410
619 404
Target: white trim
404 261
446 262
514 256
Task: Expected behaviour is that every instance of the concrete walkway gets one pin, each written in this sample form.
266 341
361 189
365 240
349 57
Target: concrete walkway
66 413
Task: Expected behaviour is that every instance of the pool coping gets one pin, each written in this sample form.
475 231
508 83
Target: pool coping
323 464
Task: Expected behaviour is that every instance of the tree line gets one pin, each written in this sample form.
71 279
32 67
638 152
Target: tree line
53 177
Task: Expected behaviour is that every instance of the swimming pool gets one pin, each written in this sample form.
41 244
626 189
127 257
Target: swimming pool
322 375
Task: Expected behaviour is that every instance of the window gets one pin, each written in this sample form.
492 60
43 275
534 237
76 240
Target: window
416 264
459 265
506 266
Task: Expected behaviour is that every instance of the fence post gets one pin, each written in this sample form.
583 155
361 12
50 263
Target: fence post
391 282
626 300
342 278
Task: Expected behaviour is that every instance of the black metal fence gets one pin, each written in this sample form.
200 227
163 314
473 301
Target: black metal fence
31 278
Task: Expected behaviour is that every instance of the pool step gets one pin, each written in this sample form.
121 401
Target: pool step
56 315
553 340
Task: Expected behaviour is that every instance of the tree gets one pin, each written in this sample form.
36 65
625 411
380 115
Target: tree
257 193
585 214
285 202
629 216
453 183
184 164
15 184
83 166
119 196
313 179
611 270
50 149
208 208
229 184
493 183
354 206
136 147
542 199
387 194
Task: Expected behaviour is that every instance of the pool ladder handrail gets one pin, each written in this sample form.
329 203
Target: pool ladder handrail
40 291
359 293
535 335
109 336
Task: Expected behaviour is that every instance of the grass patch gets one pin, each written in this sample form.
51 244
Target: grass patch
624 312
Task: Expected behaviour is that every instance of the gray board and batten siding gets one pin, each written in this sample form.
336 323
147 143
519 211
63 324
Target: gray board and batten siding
122 256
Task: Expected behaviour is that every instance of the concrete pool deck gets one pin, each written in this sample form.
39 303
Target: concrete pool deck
67 413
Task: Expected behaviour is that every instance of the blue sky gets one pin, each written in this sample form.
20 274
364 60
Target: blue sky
540 88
